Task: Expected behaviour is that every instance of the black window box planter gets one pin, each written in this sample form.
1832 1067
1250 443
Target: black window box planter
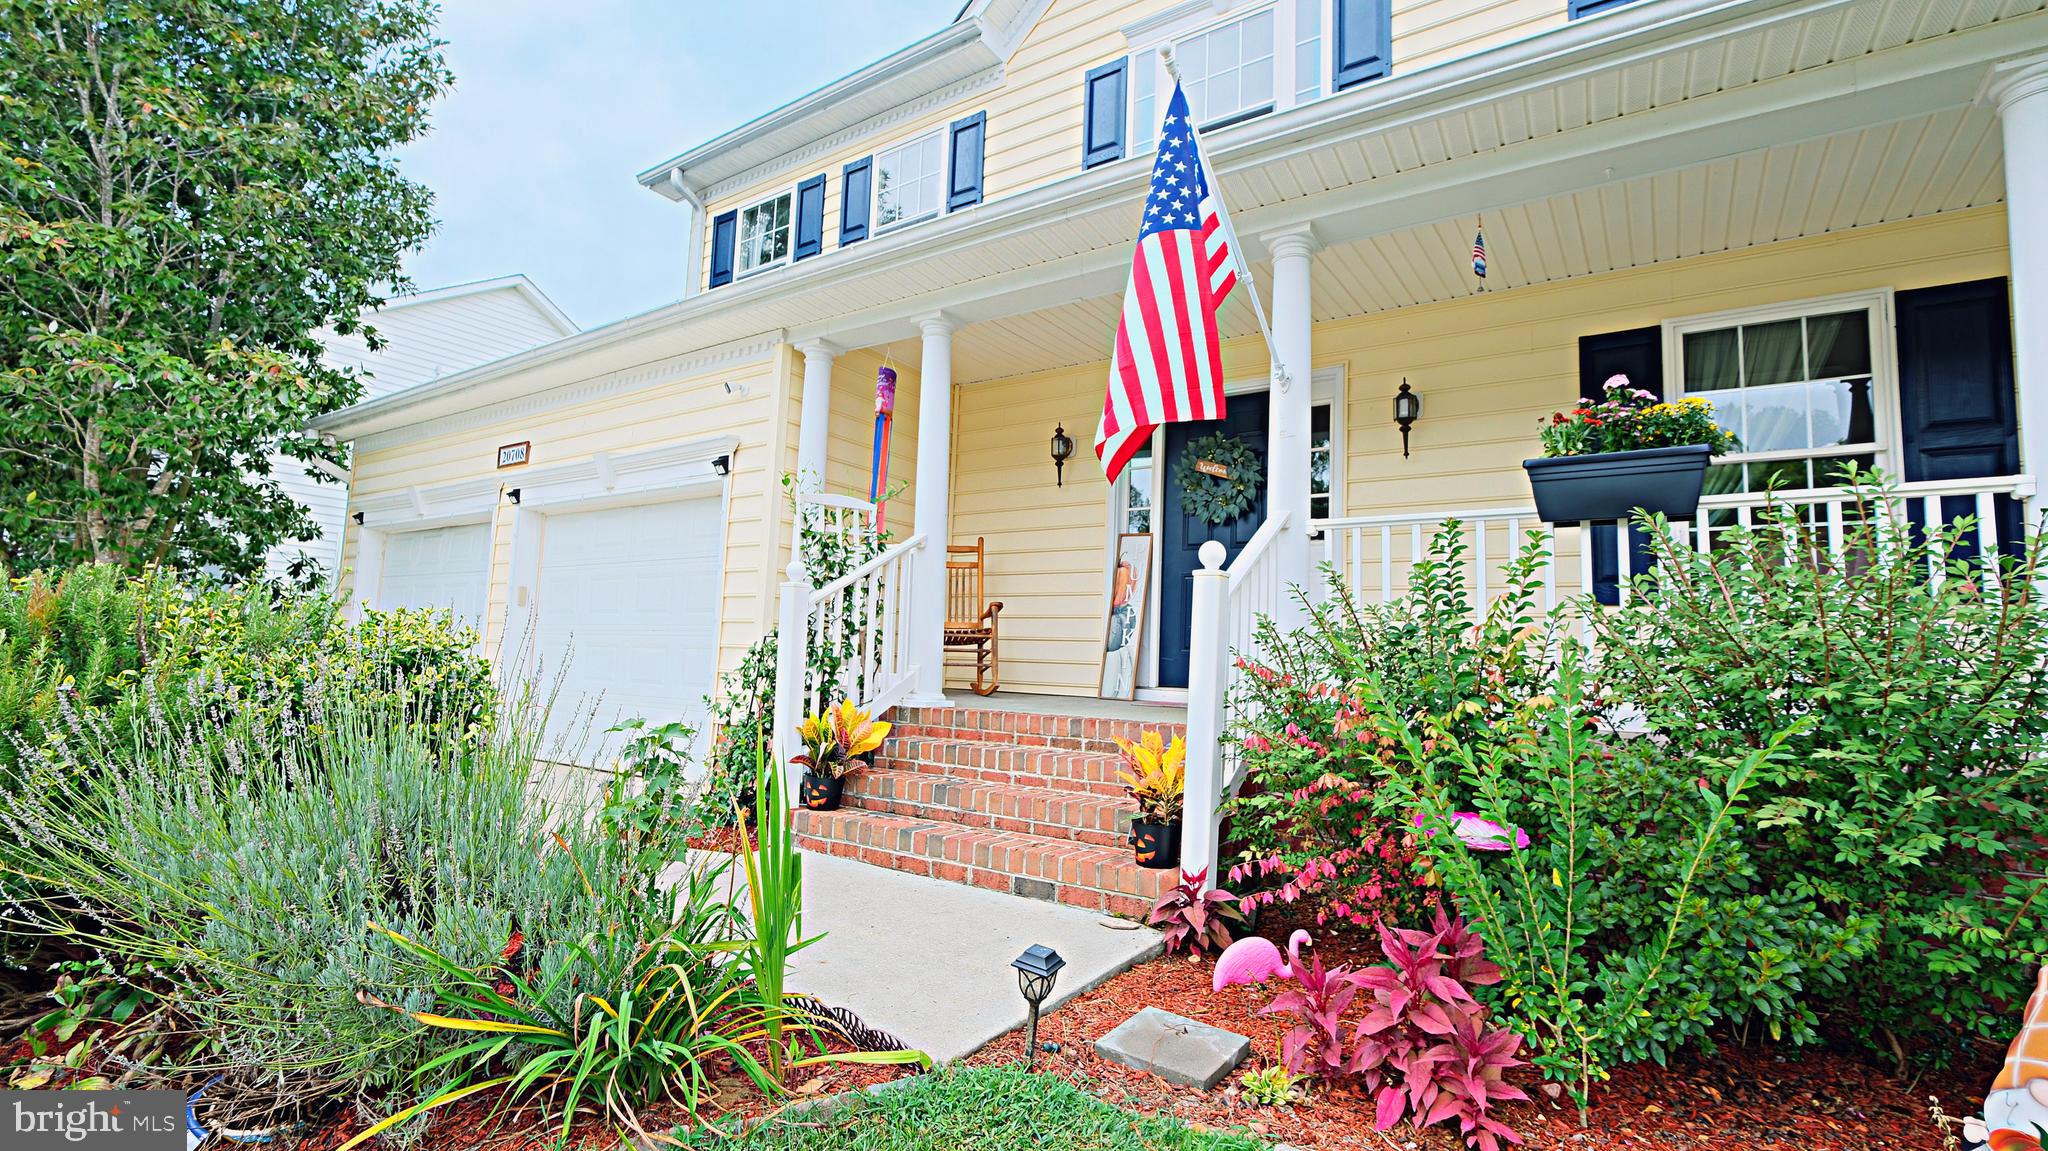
1612 485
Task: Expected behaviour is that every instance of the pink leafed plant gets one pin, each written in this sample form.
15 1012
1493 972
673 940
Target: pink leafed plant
1423 1047
1198 920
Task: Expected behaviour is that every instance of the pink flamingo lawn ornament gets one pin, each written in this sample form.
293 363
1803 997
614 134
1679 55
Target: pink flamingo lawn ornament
1255 960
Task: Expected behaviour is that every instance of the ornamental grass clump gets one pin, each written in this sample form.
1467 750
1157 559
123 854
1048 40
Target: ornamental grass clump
300 881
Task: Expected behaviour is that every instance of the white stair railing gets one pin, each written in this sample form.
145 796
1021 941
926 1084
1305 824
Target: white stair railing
1225 613
863 619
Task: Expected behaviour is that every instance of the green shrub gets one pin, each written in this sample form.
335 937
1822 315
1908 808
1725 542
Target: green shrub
1915 782
244 868
100 640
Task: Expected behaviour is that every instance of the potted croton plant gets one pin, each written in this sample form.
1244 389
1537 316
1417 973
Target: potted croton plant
1155 780
833 745
1604 459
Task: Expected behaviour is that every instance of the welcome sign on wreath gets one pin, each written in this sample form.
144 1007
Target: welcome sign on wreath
1219 477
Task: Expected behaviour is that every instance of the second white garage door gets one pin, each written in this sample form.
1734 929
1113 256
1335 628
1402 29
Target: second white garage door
447 568
627 613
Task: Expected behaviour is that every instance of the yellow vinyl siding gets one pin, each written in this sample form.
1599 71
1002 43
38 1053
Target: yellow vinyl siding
1428 32
1488 367
650 417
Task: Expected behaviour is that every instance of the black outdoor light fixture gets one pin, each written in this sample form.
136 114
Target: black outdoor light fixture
1037 970
1407 409
512 494
358 517
1062 451
722 465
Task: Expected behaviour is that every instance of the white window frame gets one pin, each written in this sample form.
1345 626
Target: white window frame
739 233
1150 82
875 183
1884 375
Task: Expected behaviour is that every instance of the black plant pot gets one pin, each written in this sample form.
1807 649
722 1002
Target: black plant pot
1612 485
821 794
1156 845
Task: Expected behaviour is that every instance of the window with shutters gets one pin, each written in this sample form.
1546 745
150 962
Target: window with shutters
910 181
1256 59
1806 387
764 234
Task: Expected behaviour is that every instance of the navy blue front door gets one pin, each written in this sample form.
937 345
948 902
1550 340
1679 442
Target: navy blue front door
1181 535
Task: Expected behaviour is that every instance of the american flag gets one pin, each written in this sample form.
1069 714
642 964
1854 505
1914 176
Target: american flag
1169 359
1479 253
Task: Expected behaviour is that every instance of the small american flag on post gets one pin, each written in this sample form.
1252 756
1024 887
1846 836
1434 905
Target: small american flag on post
1168 365
1479 252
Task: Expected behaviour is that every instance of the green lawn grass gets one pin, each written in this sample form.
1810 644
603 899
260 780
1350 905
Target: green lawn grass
985 1109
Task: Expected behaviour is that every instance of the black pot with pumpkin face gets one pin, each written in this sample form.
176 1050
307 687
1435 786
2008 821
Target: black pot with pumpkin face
821 794
1156 845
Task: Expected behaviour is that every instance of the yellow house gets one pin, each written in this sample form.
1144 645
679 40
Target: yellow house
1831 216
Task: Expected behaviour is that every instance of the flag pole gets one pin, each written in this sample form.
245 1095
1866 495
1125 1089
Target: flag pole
1244 271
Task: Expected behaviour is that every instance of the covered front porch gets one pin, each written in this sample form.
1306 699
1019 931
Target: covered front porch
1852 272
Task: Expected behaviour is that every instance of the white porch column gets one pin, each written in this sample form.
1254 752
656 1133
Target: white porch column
2020 88
934 478
1288 425
814 423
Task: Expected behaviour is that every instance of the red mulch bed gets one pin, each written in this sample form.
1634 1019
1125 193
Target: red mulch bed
1754 1099
725 839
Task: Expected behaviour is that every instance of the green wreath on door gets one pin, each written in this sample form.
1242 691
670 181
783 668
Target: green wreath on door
1218 500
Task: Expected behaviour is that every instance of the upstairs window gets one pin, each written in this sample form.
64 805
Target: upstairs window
909 181
1259 58
1228 70
764 234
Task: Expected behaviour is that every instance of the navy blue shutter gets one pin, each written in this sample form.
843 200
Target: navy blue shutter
810 218
1102 132
1956 401
855 196
966 143
725 230
1363 48
1638 354
1578 8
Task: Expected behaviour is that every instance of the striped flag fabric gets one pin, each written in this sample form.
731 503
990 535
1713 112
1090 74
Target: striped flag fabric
1479 252
1168 364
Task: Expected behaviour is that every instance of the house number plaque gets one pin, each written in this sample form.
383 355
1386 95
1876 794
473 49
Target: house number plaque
513 455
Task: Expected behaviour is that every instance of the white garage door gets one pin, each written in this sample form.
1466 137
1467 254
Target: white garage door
439 567
627 615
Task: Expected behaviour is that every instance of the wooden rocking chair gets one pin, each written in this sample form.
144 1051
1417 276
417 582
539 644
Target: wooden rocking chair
970 619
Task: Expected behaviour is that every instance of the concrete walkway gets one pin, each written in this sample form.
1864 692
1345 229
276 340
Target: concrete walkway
929 961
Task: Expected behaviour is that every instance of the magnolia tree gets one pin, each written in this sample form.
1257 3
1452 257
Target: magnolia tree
188 192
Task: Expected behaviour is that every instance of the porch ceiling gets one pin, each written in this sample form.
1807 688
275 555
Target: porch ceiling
1945 161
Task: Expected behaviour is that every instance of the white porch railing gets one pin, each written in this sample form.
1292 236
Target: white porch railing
862 619
1374 555
1225 613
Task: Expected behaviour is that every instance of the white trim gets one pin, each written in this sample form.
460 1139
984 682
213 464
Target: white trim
463 502
607 480
1884 375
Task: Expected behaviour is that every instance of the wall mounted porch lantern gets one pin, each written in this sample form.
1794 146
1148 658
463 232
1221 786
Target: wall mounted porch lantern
1407 409
1037 970
1062 451
513 494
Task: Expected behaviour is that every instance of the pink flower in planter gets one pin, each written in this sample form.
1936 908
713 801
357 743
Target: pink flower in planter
1480 834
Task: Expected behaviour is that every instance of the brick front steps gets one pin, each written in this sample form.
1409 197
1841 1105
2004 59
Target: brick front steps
1014 801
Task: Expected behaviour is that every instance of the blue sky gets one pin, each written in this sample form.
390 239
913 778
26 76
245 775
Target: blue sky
556 106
